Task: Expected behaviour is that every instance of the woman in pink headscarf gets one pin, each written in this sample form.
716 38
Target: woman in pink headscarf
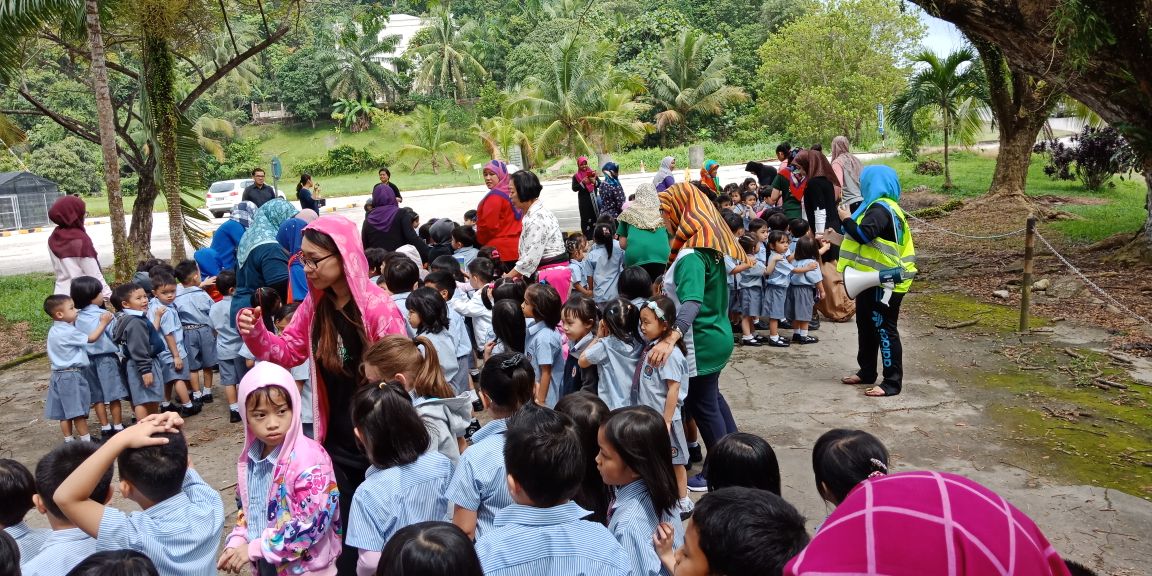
584 184
71 249
920 523
497 220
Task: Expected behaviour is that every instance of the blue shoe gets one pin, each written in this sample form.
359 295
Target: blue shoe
698 483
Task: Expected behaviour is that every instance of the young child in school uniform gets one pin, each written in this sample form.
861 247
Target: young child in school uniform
140 345
803 287
615 353
428 315
68 400
183 517
664 388
289 519
67 545
543 532
400 278
193 304
750 290
579 319
635 285
17 488
778 276
162 311
228 343
576 244
604 262
634 458
406 482
481 272
541 308
464 245
445 286
479 486
105 381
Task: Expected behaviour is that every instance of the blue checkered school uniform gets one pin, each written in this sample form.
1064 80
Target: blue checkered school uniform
400 300
480 481
68 389
194 306
105 379
605 271
632 520
169 326
228 342
615 362
259 482
542 346
556 541
392 498
180 534
28 540
61 552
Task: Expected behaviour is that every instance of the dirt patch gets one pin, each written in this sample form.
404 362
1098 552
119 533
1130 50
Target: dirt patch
16 341
921 197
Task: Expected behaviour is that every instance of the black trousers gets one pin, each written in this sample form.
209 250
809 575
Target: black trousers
348 479
878 337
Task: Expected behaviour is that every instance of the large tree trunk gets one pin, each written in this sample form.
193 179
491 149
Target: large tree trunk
1013 159
140 235
124 254
160 86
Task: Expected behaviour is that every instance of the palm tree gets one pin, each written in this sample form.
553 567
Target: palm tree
427 135
446 63
688 83
581 104
500 135
954 92
353 69
356 115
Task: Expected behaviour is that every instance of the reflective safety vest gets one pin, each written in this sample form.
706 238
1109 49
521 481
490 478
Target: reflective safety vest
881 254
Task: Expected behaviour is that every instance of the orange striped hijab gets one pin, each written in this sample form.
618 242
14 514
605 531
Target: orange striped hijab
697 222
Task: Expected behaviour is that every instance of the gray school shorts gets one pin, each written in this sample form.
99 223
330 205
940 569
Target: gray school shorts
170 373
142 394
232 370
679 443
105 380
200 345
67 395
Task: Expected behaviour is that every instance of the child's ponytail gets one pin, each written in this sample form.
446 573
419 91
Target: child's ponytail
269 302
603 234
429 378
415 358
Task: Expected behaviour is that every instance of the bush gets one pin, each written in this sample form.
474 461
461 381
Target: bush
1097 156
929 168
343 160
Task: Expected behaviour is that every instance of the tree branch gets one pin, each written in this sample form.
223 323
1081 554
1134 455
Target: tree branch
86 56
70 124
187 60
231 65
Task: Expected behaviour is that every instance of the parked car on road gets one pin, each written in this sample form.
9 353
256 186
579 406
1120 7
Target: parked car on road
225 194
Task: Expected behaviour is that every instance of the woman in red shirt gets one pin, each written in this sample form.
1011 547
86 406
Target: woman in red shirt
497 221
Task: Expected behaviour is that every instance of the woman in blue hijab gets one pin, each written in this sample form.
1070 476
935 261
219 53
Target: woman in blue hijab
290 236
611 192
227 236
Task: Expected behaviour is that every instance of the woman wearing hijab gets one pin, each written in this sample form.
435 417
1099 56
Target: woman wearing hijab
343 315
611 192
665 176
542 251
698 282
920 523
209 264
642 234
789 187
877 238
710 177
290 236
71 249
847 168
764 174
820 189
227 236
260 260
387 226
497 219
584 184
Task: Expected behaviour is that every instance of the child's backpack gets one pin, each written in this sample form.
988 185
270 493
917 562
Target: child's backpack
154 338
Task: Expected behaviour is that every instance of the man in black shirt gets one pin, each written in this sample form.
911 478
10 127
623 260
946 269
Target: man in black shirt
258 192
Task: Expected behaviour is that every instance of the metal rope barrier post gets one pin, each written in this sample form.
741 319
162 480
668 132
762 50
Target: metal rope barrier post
1026 281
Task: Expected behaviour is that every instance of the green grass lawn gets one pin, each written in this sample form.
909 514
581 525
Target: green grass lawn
1122 211
23 301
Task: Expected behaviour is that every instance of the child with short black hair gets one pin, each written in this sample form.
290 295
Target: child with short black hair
17 487
576 245
634 458
400 277
464 245
777 221
750 290
470 218
635 285
615 352
193 304
9 556
842 458
479 487
406 482
579 318
481 272
778 277
183 516
544 532
118 562
232 365
289 512
375 257
105 381
173 368
588 412
429 549
509 329
428 315
604 262
541 308
67 545
743 459
798 228
68 400
140 345
804 287
746 209
736 532
444 283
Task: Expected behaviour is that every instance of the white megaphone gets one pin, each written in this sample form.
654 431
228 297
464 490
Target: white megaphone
857 281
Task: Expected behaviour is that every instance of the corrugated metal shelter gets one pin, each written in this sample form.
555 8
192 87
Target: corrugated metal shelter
25 199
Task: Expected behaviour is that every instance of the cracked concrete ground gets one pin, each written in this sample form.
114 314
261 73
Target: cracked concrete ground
789 396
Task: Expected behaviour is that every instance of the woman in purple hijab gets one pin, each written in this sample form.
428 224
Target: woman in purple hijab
389 227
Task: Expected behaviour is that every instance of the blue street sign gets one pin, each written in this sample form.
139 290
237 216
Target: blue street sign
277 169
880 118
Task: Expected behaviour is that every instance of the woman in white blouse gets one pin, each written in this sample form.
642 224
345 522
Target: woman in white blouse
72 252
542 251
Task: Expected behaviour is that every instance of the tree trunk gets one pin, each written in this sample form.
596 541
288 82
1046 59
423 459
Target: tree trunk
125 257
947 173
140 233
1010 177
160 86
1148 201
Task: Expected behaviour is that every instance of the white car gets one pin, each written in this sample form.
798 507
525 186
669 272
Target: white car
225 194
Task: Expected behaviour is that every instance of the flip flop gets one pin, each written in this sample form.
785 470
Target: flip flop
879 392
852 380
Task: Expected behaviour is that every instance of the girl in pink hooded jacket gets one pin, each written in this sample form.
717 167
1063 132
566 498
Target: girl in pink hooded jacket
294 526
